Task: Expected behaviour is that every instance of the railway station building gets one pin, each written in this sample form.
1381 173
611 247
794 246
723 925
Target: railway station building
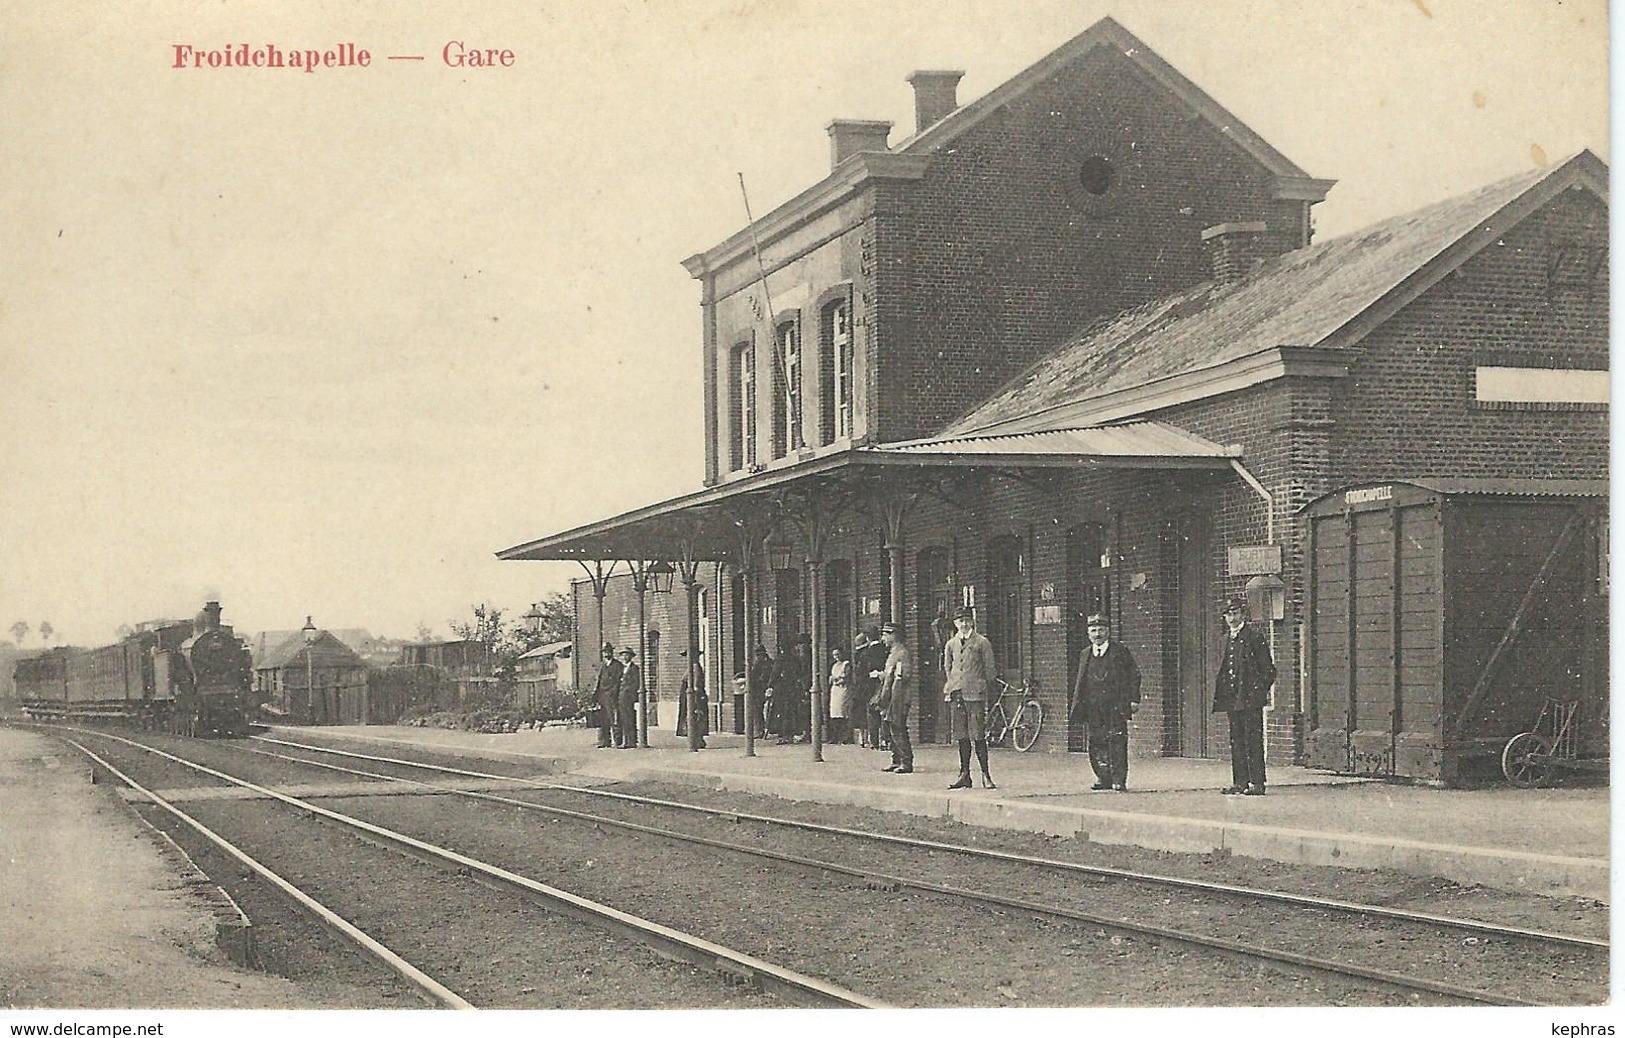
1071 348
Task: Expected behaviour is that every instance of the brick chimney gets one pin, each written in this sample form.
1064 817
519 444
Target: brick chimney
1237 249
847 137
935 95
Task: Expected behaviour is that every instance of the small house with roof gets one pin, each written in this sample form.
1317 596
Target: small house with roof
322 682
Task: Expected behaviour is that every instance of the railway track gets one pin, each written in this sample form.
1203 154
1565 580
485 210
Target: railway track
1465 926
736 969
1476 929
882 881
431 990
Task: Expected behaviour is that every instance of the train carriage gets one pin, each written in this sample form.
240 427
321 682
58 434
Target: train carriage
191 677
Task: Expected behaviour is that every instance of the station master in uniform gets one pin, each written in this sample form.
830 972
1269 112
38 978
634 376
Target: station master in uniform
1243 690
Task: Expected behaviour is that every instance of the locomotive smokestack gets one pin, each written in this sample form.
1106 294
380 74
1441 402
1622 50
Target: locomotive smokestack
209 619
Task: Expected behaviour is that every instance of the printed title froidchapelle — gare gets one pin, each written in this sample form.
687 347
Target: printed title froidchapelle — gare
241 55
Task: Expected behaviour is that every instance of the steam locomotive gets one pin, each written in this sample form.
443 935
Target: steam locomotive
189 677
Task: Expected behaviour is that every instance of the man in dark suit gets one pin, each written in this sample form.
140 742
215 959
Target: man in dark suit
870 661
607 693
760 679
1105 697
626 714
791 676
1242 690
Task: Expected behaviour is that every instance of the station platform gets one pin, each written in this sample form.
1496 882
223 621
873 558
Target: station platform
1544 841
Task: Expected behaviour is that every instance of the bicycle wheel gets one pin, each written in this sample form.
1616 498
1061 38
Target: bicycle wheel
1028 722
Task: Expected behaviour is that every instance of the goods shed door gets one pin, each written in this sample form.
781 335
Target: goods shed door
1526 621
1374 627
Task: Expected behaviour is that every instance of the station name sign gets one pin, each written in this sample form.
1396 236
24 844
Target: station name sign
1255 560
1366 495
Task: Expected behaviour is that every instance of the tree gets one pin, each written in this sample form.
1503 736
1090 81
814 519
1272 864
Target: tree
486 628
498 659
424 633
45 631
19 630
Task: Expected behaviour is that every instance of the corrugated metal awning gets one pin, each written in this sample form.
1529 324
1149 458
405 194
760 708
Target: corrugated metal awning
706 519
1131 444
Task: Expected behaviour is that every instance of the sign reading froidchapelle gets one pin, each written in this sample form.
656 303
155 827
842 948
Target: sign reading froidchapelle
454 54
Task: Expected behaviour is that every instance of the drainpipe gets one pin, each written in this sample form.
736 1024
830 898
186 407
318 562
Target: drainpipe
1269 501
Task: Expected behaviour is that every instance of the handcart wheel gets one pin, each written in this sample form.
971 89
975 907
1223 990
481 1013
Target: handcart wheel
1526 761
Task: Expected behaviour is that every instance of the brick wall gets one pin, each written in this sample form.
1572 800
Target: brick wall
1408 408
1000 250
666 614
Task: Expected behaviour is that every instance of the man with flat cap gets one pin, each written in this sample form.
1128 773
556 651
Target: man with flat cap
968 668
1105 697
607 693
626 711
897 695
1242 690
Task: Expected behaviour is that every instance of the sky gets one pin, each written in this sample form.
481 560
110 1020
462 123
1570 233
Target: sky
322 343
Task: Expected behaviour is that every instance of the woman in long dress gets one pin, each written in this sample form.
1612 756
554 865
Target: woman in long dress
840 697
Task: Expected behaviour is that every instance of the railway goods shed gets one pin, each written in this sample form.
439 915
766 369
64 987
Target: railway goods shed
1443 613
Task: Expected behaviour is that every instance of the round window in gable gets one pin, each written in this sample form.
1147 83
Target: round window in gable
1096 175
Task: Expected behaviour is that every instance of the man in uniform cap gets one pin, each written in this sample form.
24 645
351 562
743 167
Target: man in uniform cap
1105 697
968 668
1242 690
607 693
896 696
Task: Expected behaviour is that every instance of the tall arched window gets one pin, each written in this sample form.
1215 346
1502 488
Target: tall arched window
787 403
742 406
1006 600
835 372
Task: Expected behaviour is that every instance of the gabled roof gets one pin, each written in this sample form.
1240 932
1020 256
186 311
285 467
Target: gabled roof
909 159
326 651
1109 33
1323 297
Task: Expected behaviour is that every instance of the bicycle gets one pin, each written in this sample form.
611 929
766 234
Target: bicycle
1022 728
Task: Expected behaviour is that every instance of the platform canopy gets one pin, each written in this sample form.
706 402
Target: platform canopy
710 523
